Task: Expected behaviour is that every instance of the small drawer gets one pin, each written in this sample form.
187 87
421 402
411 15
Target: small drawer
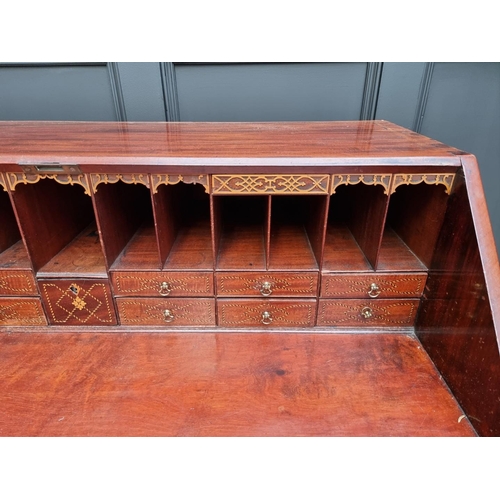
21 311
17 283
373 285
241 284
163 284
266 313
166 312
78 302
353 312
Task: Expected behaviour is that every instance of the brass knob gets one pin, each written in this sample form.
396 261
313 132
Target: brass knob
367 312
265 289
165 289
168 315
266 318
374 290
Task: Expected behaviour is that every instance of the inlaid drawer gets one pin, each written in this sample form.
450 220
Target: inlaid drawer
163 284
354 312
166 312
373 285
21 311
17 283
266 312
78 302
275 284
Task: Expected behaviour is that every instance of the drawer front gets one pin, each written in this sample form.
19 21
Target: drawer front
166 312
163 284
374 285
78 302
17 283
353 312
241 284
21 311
266 313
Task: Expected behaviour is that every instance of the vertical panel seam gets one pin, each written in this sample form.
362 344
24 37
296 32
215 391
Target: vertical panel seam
371 90
117 91
170 95
423 95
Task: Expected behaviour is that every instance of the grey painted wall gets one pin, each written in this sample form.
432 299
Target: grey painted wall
457 103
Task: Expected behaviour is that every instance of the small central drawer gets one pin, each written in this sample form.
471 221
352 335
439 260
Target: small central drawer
162 284
166 312
266 312
373 285
78 302
261 284
21 311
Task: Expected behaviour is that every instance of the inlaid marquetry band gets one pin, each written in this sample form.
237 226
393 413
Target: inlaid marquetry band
444 179
169 180
15 178
246 314
368 179
270 184
114 178
3 182
21 312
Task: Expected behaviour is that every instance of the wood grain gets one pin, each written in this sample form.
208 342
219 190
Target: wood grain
219 144
222 385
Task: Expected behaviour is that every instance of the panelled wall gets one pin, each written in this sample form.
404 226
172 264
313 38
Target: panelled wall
456 103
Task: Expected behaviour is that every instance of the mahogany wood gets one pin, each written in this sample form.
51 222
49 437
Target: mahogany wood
456 323
367 313
151 284
46 205
78 302
10 232
167 312
237 313
141 251
82 257
360 285
272 216
121 209
240 284
222 385
416 214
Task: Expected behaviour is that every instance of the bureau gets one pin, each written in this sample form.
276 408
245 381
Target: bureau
334 227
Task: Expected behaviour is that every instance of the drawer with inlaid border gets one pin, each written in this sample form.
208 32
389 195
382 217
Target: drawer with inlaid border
17 283
78 302
362 312
373 285
166 311
280 313
21 311
163 284
262 284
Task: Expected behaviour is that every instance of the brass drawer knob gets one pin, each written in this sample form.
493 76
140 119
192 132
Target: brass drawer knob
266 289
367 312
165 289
374 290
168 315
266 318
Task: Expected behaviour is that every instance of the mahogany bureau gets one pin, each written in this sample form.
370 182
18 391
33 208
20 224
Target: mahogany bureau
266 227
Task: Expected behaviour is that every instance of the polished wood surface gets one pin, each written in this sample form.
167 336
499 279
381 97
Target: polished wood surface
81 258
141 252
218 143
222 385
15 257
461 311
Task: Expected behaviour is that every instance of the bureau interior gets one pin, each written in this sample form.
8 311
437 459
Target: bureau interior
60 229
356 215
414 220
241 226
12 251
296 232
125 217
182 214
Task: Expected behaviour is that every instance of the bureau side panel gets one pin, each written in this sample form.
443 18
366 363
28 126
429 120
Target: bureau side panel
456 322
